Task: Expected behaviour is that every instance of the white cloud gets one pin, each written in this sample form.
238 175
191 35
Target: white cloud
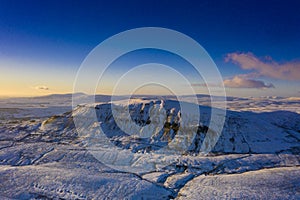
267 66
242 82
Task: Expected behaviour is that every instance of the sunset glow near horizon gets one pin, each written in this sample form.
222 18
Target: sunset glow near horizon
255 45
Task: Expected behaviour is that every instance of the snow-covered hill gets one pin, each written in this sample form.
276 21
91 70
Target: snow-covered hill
52 158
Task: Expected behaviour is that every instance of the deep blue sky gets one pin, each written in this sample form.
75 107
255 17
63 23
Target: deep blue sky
44 36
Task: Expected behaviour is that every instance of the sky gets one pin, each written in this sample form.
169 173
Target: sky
254 44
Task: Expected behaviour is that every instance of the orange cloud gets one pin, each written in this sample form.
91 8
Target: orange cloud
42 87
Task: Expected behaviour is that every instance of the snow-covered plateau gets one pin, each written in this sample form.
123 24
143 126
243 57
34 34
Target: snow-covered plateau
49 151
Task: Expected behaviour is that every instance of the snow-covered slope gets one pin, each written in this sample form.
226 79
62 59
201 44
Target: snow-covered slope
277 183
49 158
243 132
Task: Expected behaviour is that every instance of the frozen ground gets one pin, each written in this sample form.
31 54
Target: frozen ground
42 156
